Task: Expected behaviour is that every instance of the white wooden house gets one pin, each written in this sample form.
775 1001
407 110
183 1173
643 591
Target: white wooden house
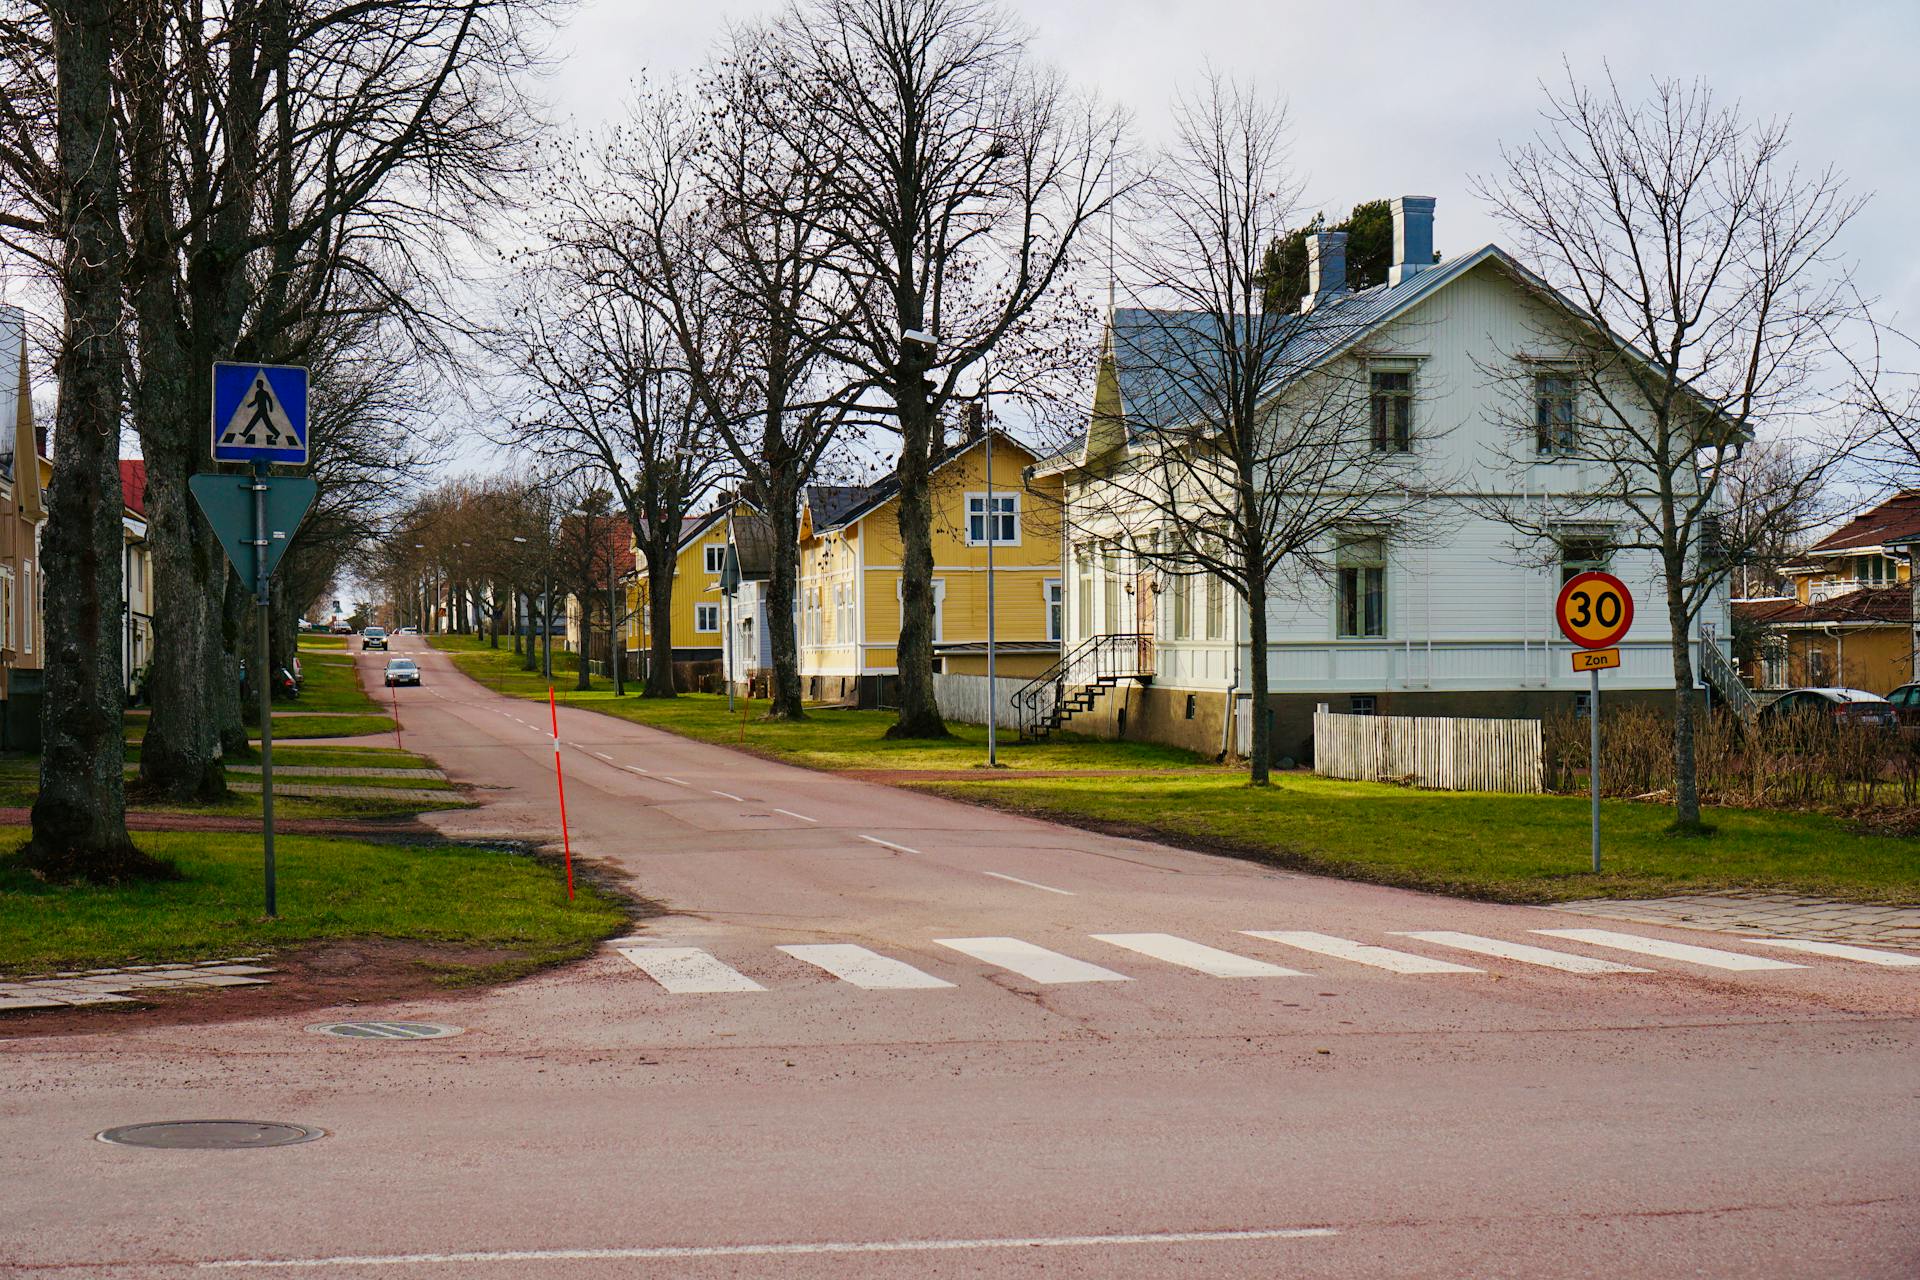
1452 617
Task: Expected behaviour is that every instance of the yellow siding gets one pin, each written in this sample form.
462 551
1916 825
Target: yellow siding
869 553
692 585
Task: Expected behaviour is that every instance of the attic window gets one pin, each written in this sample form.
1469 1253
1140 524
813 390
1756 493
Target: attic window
716 553
1556 410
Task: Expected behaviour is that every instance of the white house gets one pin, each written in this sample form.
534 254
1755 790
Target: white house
1449 613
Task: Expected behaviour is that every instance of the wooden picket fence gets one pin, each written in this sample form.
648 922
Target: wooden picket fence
1429 751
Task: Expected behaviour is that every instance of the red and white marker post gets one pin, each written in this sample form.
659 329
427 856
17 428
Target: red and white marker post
566 842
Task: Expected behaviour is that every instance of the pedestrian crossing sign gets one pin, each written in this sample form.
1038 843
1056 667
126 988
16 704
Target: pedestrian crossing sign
259 413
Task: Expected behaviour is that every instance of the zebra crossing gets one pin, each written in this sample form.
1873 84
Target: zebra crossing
685 970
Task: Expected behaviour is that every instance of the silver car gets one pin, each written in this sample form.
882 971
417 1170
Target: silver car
402 671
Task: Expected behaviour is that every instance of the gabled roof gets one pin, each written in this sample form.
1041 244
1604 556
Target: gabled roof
1160 355
753 545
834 506
1895 522
1891 606
133 485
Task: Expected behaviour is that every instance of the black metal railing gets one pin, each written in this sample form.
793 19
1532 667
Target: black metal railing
1096 660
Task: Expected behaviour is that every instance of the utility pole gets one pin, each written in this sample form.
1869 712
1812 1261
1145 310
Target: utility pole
613 611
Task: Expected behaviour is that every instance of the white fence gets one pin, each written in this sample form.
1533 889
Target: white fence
1429 751
964 698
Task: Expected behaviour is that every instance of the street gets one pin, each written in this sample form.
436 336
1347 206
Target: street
877 1032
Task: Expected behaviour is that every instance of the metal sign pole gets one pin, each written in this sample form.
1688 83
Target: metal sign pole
1593 758
993 709
263 671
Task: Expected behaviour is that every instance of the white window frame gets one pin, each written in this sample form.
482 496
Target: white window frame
939 606
27 601
7 613
1054 596
1549 448
714 558
1006 509
711 611
1362 554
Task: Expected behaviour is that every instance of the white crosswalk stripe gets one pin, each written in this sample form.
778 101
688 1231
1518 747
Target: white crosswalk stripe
1326 944
1193 955
864 968
1029 961
688 970
1711 957
1564 961
1841 951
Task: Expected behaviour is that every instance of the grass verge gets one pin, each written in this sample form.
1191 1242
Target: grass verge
1497 847
330 682
328 889
830 738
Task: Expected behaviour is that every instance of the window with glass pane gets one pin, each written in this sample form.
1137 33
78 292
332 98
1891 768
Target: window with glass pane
1055 622
1584 554
1556 402
1360 588
1183 607
1216 608
1392 400
1006 527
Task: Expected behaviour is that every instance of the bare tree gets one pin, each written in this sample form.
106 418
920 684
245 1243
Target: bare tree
1769 511
957 189
79 817
601 385
727 221
1243 450
1707 263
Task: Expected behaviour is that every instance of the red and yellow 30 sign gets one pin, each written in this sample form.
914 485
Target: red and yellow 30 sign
1594 610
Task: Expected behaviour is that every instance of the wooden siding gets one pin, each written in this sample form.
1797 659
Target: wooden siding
1446 754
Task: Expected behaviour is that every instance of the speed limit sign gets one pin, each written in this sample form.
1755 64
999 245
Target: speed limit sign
1594 610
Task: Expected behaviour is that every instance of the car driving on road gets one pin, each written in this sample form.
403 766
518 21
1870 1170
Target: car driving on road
402 671
373 638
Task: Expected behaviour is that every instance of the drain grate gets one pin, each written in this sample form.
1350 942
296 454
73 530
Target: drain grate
386 1030
211 1135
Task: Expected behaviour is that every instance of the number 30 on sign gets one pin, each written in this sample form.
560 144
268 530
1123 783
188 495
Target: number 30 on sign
1594 611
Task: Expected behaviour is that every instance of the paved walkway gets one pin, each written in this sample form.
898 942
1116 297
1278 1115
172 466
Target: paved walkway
1781 915
311 791
110 986
334 771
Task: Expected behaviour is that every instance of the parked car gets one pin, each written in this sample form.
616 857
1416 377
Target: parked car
402 671
373 638
1906 704
342 629
1839 706
285 684
408 631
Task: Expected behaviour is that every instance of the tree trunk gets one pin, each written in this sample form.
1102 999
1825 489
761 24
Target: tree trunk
919 715
493 618
513 604
659 621
1258 766
1686 780
79 818
180 758
782 582
530 660
237 642
584 677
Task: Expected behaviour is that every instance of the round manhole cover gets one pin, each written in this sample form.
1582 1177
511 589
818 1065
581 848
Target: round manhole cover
211 1135
386 1030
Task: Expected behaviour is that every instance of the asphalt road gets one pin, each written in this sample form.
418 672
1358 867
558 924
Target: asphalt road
883 1034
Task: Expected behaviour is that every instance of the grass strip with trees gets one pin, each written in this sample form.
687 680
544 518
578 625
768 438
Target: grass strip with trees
457 895
1502 848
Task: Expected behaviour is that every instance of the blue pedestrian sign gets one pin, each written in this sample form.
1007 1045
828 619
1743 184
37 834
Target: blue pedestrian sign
259 413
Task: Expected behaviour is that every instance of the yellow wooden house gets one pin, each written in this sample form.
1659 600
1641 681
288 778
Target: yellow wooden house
698 607
849 587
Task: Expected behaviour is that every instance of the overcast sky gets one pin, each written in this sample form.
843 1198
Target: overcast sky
1414 99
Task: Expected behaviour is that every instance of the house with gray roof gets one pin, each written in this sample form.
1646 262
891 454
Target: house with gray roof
1462 368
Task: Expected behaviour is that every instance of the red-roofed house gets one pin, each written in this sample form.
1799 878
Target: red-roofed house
1850 620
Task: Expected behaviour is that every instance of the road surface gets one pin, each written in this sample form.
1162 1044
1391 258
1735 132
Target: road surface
884 1034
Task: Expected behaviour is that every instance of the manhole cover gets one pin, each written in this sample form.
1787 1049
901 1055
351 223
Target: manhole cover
386 1030
211 1135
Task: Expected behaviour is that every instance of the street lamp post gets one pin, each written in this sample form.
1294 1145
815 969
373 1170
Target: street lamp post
613 611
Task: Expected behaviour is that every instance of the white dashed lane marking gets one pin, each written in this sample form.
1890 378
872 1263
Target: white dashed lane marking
1841 951
864 968
1711 957
1564 961
1325 944
688 970
1029 961
1031 884
1193 955
900 848
803 817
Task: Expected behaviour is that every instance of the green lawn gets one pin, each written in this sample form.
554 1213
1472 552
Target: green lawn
299 726
1501 847
831 738
327 889
321 640
328 683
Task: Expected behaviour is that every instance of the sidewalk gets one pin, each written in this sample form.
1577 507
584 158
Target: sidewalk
1778 915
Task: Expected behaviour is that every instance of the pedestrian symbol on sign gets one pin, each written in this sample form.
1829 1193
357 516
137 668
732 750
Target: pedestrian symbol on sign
259 413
